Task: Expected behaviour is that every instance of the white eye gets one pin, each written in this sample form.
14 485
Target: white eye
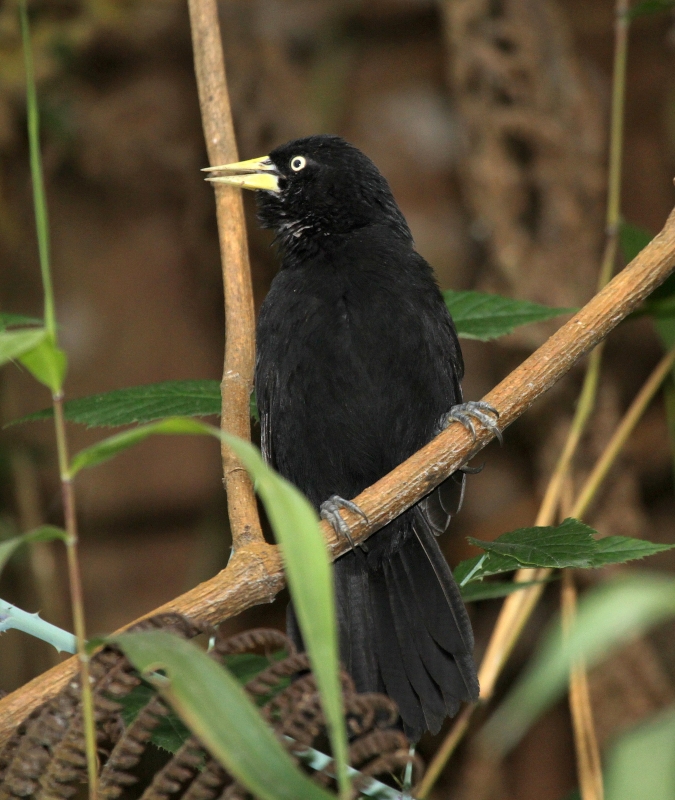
298 163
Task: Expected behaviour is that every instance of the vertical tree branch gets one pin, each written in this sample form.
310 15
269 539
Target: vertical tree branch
237 382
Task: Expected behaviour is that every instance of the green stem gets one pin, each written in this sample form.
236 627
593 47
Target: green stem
76 594
68 493
33 624
41 218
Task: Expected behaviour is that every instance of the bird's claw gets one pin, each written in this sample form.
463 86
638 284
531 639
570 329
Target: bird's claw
479 410
330 511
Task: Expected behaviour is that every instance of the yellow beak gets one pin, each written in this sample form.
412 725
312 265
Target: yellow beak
257 173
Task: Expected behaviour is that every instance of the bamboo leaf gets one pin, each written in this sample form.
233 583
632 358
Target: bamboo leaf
48 363
13 344
216 709
488 316
308 567
45 533
17 320
310 580
107 448
607 616
641 765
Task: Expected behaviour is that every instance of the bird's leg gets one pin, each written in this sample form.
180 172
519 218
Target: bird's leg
330 511
477 409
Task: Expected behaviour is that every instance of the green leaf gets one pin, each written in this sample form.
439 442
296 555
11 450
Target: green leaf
476 590
641 765
107 448
216 709
488 316
253 407
13 344
16 320
194 398
619 549
669 400
170 734
45 533
607 616
310 580
649 7
47 363
661 302
569 544
306 559
632 240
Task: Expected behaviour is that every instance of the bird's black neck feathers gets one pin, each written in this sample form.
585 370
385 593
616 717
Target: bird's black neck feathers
339 191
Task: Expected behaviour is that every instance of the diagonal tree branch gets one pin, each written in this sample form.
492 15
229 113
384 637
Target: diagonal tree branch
237 380
254 574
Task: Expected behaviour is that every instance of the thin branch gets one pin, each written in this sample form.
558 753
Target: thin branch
254 574
237 382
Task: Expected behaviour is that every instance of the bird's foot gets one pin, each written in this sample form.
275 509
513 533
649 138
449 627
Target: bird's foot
465 413
330 511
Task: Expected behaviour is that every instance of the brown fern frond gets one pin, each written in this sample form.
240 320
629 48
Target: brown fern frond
270 678
209 783
127 752
269 640
177 772
46 757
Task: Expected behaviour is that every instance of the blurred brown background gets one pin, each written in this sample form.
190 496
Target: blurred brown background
488 117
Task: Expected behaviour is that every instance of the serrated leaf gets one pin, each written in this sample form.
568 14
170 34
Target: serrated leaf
170 733
607 616
209 699
45 533
491 590
16 320
569 544
48 363
619 549
13 344
140 404
488 316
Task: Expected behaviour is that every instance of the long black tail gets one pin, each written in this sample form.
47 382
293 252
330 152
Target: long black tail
404 629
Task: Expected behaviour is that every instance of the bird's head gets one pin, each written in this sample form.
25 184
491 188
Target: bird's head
315 187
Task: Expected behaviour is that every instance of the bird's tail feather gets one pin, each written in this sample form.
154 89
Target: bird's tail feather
404 630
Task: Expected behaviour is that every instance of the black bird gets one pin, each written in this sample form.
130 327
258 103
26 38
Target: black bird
358 366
